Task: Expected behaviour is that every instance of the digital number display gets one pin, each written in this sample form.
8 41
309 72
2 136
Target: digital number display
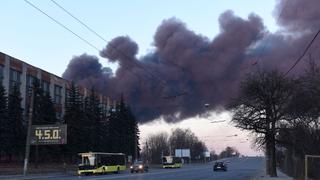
48 134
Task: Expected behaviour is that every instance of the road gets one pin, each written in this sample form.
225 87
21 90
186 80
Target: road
238 169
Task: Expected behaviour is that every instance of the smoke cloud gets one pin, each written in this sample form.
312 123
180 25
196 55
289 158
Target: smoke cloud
121 48
187 70
299 15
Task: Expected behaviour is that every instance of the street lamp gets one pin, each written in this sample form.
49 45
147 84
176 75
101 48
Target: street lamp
232 135
218 121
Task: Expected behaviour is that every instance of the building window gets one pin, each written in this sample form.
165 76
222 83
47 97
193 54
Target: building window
59 115
45 87
30 81
1 72
57 94
15 79
67 95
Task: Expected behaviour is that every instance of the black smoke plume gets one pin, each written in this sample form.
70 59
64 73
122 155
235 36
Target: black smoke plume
187 70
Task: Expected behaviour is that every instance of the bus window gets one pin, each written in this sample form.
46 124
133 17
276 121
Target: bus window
119 159
91 160
164 160
80 160
177 160
88 160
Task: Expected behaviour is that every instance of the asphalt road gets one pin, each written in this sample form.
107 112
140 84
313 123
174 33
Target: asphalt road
238 169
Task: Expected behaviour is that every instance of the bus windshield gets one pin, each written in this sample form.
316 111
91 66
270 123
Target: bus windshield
88 161
171 160
167 160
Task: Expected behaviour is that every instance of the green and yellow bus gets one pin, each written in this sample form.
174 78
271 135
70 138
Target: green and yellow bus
100 163
171 162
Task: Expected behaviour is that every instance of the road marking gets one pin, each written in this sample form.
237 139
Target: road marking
37 177
155 173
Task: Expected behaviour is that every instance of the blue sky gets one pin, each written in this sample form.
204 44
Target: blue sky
32 37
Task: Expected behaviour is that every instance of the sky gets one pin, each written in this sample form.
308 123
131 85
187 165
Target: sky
209 128
30 36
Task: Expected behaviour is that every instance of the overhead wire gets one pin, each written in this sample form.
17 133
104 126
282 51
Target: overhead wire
304 53
299 58
77 35
60 24
162 82
137 64
256 63
110 44
77 19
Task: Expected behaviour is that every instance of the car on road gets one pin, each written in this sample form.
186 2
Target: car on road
220 166
139 166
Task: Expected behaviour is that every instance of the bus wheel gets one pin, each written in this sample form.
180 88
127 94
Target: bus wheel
118 170
103 170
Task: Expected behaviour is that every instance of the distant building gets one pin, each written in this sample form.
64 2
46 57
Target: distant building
16 72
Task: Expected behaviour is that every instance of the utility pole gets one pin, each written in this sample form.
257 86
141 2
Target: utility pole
26 157
181 154
161 156
135 145
147 152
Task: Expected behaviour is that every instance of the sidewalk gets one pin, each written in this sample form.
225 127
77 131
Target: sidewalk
262 175
33 176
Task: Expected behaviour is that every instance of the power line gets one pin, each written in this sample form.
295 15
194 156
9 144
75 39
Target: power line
299 58
60 24
304 53
77 19
110 44
84 40
87 42
164 83
268 40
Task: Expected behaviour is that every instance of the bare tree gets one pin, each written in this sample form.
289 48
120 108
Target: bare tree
229 152
300 135
261 107
213 155
186 139
158 145
163 144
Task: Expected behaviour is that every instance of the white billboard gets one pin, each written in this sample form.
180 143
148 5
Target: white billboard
206 154
182 153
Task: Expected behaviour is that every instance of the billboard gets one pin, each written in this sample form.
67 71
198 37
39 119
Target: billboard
182 153
206 154
48 134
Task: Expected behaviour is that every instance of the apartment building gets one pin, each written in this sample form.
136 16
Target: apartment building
16 72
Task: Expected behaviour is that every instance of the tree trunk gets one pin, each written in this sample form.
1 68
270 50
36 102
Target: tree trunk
268 141
267 156
273 160
271 163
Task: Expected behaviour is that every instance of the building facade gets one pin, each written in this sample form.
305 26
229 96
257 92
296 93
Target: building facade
16 72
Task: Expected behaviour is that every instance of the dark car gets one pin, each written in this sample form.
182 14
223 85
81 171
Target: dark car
139 166
220 166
